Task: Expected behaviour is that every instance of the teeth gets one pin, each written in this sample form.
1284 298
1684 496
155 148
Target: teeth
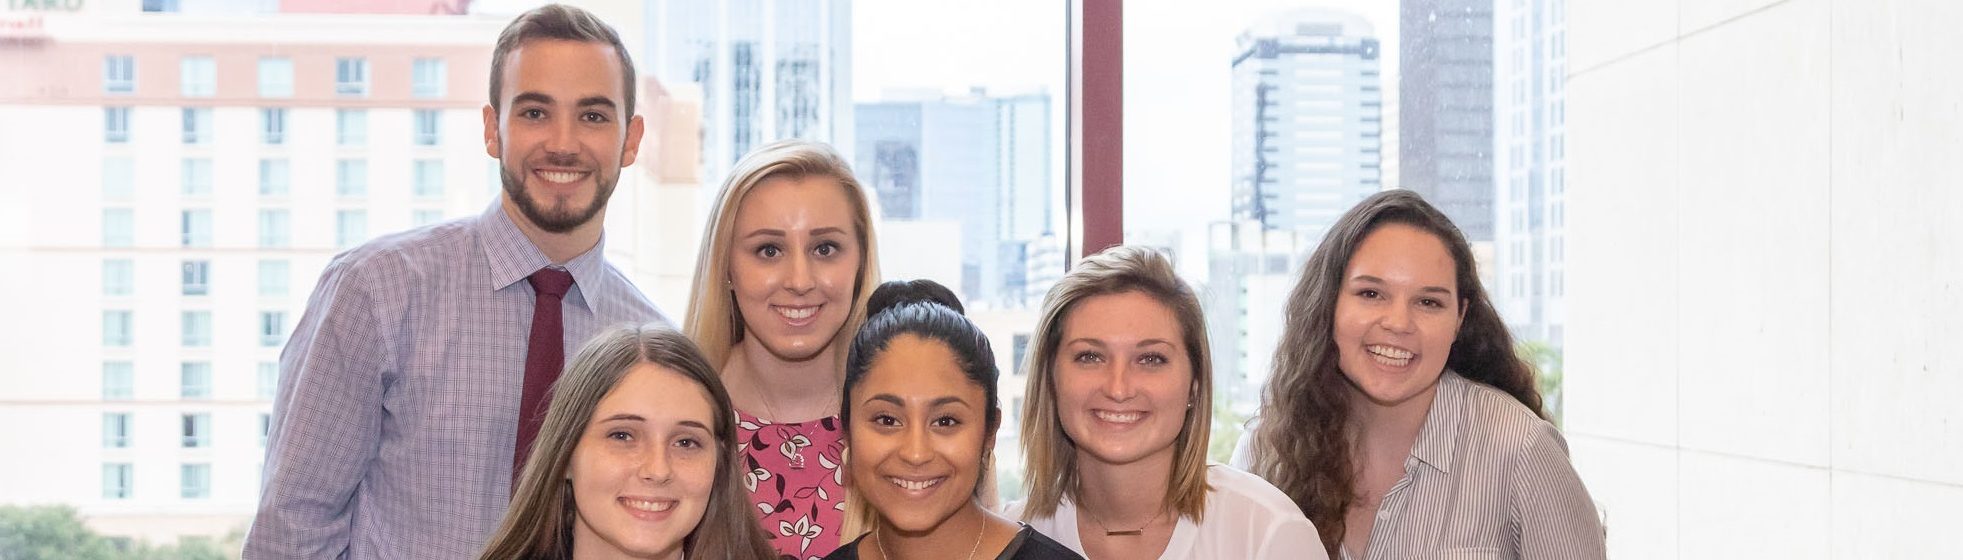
561 176
796 312
912 485
649 505
1122 418
1390 352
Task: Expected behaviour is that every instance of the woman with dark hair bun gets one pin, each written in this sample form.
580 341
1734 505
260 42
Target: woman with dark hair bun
920 411
1398 417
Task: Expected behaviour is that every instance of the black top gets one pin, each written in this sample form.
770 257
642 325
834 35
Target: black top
1028 545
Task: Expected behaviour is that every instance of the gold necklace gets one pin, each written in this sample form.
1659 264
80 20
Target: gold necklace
881 543
1129 533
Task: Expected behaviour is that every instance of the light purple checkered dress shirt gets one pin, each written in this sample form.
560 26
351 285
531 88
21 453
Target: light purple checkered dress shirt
398 397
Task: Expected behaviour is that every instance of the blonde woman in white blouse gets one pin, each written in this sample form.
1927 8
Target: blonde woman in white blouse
1115 429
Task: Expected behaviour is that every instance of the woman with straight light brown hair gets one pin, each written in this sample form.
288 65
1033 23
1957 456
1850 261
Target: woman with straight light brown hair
1398 417
788 259
636 458
1115 429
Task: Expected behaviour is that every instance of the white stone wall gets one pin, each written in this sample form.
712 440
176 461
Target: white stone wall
1764 288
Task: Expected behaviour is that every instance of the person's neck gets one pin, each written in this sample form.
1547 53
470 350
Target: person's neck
796 391
1111 493
953 538
559 247
1387 432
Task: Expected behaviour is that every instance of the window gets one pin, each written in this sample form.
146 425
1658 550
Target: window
272 328
116 481
275 228
115 430
265 428
351 178
268 380
196 176
350 228
118 227
118 73
429 124
195 481
272 126
197 328
199 76
197 228
197 430
429 78
116 125
272 277
118 380
117 326
194 380
275 177
429 178
197 125
275 77
351 127
351 76
425 217
197 278
118 177
118 277
160 6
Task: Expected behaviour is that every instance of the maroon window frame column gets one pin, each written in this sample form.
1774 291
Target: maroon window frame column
1097 123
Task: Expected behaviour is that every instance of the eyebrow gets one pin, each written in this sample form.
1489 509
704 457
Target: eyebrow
780 233
1101 344
895 401
536 97
624 416
1376 280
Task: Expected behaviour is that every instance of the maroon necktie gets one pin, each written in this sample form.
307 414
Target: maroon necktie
545 355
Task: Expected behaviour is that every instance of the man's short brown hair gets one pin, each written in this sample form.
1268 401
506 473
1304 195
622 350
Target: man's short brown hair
559 21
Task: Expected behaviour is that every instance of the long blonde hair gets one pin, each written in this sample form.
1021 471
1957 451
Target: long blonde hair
1049 456
539 523
713 321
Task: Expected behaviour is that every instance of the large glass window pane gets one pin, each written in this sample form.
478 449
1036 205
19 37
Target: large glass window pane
273 275
351 127
196 227
196 278
195 481
197 125
428 182
118 177
429 127
272 328
194 380
196 329
351 178
118 277
350 228
116 125
195 176
275 177
118 328
196 430
272 126
351 76
115 430
118 380
116 481
118 227
275 228
118 73
429 78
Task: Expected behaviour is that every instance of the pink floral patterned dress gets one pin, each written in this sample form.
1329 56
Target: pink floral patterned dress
794 482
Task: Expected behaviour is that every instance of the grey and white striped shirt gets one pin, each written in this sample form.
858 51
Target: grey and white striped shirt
398 395
1486 479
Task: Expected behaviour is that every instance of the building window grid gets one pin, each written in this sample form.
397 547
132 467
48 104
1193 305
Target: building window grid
116 125
199 74
275 177
118 277
196 227
116 481
195 176
272 127
351 127
118 380
197 125
275 228
119 73
196 430
272 328
429 78
195 481
196 278
117 328
115 430
194 380
429 127
351 76
196 329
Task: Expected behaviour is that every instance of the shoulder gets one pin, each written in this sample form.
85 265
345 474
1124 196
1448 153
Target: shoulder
1246 498
629 297
1496 421
398 258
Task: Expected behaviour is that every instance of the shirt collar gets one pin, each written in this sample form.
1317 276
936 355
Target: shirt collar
1438 440
513 257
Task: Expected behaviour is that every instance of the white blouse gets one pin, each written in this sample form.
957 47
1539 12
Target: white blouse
1245 518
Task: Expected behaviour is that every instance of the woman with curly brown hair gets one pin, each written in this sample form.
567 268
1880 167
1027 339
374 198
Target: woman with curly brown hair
1398 417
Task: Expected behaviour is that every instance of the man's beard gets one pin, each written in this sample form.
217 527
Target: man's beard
562 219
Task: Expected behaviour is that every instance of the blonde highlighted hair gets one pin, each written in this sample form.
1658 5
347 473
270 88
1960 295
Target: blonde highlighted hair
1049 456
713 321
